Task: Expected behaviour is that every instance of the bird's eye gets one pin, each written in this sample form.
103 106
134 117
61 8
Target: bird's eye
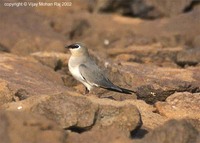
73 46
76 46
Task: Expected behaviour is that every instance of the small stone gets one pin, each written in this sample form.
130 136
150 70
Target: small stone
172 131
187 106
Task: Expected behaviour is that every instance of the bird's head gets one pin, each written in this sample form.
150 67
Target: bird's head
77 49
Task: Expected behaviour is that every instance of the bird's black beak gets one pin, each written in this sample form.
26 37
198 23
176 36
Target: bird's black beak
73 46
69 46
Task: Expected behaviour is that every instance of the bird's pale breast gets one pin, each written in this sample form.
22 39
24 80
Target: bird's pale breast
74 70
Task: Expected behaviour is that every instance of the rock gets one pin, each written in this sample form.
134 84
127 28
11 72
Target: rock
167 36
154 83
180 105
189 57
169 32
111 135
28 46
150 117
145 9
78 28
172 131
3 48
18 127
78 113
104 118
158 45
67 7
171 7
68 111
123 116
29 75
196 42
120 6
152 88
53 60
31 33
195 123
142 8
58 62
194 6
6 94
21 94
126 57
150 54
52 31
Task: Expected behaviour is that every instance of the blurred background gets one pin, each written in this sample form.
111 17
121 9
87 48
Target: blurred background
164 33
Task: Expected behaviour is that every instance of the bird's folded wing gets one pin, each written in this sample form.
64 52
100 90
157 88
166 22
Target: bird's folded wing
94 76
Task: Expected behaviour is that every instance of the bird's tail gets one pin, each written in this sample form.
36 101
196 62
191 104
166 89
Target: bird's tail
127 91
121 90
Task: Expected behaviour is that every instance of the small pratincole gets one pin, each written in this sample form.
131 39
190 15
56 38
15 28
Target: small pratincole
85 70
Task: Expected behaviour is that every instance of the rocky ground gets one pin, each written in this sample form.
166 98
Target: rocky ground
151 47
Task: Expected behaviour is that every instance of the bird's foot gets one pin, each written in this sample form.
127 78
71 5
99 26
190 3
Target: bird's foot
86 91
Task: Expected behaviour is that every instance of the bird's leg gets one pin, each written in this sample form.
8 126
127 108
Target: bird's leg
86 90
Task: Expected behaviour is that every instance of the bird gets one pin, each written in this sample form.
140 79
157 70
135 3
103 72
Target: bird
84 69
